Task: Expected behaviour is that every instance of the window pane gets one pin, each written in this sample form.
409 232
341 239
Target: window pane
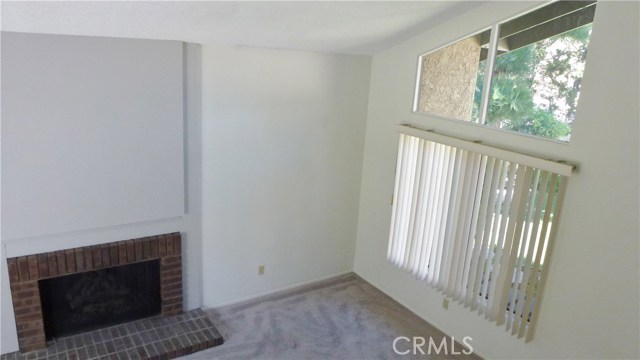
538 71
451 78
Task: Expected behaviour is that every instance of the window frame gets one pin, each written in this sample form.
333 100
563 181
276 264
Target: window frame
494 27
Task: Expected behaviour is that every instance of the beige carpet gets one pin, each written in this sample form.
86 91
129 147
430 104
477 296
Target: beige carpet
341 318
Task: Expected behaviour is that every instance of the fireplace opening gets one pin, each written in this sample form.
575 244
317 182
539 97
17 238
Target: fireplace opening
90 300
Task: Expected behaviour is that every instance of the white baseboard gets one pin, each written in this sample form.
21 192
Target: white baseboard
279 291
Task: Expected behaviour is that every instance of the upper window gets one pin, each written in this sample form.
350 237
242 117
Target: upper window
521 75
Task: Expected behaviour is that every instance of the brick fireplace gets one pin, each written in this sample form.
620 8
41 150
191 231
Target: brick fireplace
26 271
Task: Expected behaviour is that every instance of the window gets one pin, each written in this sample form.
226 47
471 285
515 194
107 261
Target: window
477 223
522 75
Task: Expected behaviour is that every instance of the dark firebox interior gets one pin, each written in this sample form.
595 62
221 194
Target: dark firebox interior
90 300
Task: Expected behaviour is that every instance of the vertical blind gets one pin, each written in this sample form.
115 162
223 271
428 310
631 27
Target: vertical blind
477 223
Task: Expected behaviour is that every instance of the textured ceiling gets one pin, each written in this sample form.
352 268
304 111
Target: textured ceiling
354 27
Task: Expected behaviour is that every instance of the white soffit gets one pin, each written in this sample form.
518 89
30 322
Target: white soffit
350 27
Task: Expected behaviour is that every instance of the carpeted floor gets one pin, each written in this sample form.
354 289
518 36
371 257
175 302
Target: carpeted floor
341 318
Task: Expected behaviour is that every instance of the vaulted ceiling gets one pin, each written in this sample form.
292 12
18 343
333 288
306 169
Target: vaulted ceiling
351 27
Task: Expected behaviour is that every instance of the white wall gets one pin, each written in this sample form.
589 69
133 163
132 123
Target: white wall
189 224
283 139
92 132
591 304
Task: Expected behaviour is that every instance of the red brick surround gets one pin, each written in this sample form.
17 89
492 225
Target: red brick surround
25 271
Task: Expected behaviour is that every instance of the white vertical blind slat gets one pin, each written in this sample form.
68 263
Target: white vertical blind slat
526 250
505 206
478 261
461 226
418 195
473 243
447 247
424 204
501 282
441 228
485 249
438 204
473 204
400 201
408 194
393 243
537 273
535 236
493 233
476 227
431 208
520 256
419 241
514 234
545 269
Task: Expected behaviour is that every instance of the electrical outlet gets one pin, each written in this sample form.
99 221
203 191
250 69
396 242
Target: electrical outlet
261 270
445 304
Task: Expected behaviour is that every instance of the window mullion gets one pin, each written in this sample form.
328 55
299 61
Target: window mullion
488 74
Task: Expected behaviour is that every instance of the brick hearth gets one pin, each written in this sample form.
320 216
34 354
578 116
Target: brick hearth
155 338
25 271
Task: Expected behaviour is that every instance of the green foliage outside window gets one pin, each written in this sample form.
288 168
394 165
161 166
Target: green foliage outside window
535 88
